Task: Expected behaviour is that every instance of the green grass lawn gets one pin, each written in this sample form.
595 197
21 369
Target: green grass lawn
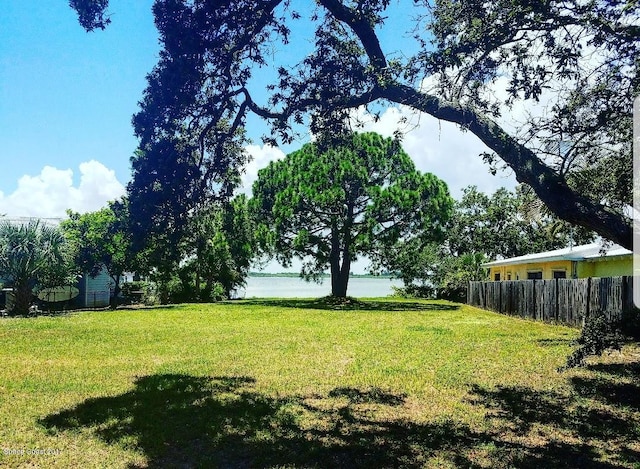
299 383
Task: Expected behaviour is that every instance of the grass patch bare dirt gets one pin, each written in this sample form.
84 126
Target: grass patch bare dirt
310 383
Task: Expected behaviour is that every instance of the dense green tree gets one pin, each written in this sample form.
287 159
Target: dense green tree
160 206
33 256
174 179
482 228
500 226
466 62
222 246
100 240
329 205
209 257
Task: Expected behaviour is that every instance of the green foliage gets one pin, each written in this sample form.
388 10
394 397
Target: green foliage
329 205
184 287
430 271
482 228
220 249
414 291
33 256
140 291
211 257
460 271
160 200
92 14
482 60
599 334
506 224
175 181
102 239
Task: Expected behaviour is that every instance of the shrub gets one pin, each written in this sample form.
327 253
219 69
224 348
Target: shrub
452 293
140 291
631 324
213 292
598 335
414 291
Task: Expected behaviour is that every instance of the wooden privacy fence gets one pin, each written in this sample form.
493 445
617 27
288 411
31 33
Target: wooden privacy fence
566 301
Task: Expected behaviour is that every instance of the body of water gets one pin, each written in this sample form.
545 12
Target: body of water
292 287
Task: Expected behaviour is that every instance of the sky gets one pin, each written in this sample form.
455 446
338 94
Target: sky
67 97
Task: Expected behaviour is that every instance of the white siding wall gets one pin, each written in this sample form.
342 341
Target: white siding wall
96 291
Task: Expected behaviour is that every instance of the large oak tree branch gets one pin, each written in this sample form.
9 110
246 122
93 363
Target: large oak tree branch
362 28
548 185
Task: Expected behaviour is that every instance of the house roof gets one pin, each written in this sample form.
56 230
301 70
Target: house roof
585 252
25 220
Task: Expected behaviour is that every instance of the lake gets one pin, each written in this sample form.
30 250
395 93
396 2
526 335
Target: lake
293 287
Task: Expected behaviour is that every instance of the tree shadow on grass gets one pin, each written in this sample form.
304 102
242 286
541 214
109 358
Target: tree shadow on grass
369 396
554 342
629 370
615 384
348 304
188 421
612 393
595 425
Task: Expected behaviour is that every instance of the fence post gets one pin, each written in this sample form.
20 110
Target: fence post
587 310
556 312
533 299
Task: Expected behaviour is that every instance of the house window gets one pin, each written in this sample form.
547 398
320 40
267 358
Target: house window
496 276
559 274
537 275
508 275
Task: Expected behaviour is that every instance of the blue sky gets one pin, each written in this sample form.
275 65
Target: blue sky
67 97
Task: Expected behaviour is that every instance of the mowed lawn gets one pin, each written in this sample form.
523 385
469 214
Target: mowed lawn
301 383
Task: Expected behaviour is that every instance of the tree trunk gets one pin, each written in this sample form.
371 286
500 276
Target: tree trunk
334 261
163 291
341 282
116 291
339 273
198 286
23 297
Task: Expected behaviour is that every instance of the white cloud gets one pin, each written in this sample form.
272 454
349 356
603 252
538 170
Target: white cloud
260 158
51 193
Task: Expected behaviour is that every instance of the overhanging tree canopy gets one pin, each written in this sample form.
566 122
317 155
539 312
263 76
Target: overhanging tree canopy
474 60
329 205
